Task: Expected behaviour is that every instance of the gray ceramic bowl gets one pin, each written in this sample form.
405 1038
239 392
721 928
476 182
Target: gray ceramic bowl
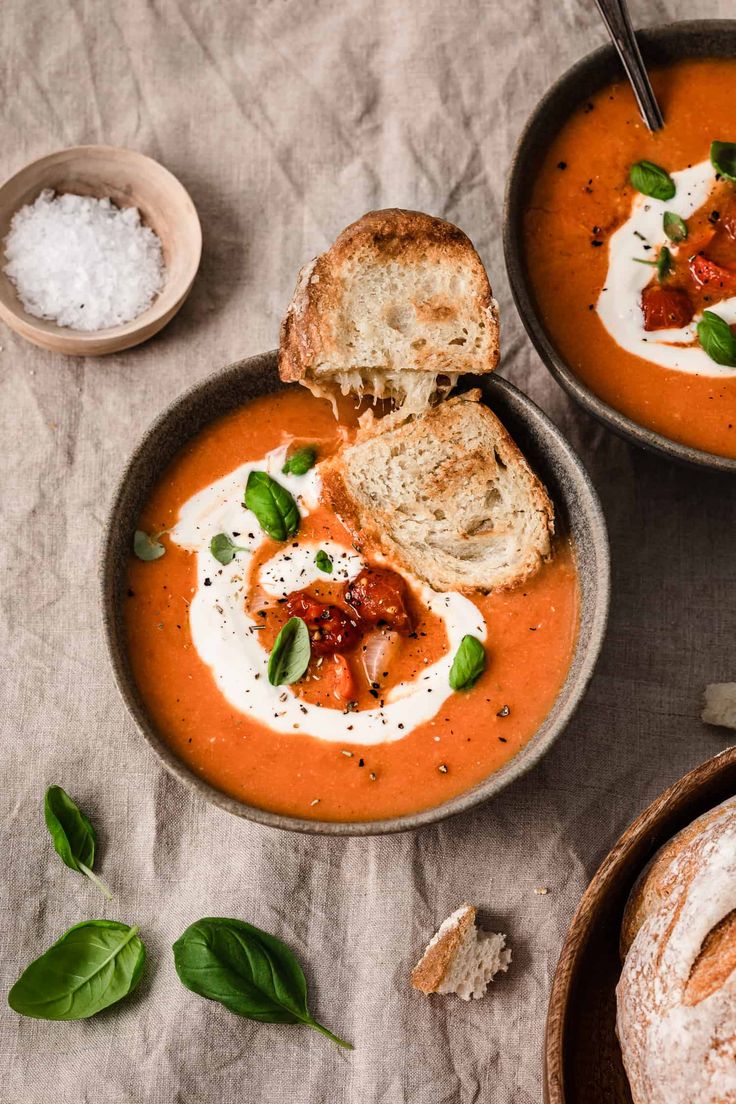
659 45
550 455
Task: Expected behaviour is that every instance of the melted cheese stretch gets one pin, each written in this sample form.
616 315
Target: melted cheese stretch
619 304
226 637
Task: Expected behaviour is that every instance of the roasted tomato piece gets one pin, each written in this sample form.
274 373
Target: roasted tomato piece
708 274
665 308
380 596
331 629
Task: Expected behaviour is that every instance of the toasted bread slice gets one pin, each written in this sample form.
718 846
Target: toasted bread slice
447 496
461 958
398 307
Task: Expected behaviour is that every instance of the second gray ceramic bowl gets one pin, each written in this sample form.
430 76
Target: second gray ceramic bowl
659 45
550 455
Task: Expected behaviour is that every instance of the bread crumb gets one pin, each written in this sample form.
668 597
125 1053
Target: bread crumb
461 958
720 704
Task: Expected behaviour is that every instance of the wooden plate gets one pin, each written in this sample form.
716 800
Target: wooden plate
582 1060
129 179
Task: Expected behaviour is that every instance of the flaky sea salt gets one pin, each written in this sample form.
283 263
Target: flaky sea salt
83 262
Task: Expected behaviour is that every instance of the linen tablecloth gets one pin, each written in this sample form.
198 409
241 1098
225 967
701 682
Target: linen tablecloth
286 120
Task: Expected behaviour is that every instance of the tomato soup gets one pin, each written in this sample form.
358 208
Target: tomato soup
372 728
622 275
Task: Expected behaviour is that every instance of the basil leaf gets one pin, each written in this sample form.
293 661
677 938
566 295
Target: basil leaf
273 506
651 180
223 549
246 969
723 159
664 263
146 546
716 337
674 227
300 461
93 965
291 653
73 835
468 664
323 562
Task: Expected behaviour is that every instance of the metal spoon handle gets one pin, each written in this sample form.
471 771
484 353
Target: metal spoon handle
618 23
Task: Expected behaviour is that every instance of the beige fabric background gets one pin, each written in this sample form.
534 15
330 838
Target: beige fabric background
285 120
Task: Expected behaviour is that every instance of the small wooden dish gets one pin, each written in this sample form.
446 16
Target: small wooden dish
129 179
582 1059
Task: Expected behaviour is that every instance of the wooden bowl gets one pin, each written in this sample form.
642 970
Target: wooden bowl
660 46
582 1059
550 455
129 179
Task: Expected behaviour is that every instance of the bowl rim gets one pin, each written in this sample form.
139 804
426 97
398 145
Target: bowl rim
645 831
155 316
585 68
523 761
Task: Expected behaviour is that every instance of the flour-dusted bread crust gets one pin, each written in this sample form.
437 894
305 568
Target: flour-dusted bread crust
447 496
398 307
461 958
676 999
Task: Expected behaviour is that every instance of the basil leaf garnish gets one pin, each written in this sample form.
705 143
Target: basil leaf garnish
664 263
323 562
716 337
300 461
93 965
723 159
147 546
223 549
273 506
291 653
246 969
73 835
674 227
468 664
652 180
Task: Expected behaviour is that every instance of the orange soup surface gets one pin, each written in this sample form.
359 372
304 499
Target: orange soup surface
583 195
530 639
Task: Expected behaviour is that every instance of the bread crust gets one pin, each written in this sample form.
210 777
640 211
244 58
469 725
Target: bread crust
676 999
430 971
308 335
372 527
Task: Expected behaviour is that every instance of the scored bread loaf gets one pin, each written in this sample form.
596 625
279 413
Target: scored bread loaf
461 958
447 496
676 998
398 307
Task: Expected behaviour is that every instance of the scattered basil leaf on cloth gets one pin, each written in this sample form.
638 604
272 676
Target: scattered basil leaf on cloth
93 965
223 549
323 562
73 835
664 263
468 665
652 180
716 337
300 461
246 969
723 159
291 653
148 547
273 506
674 227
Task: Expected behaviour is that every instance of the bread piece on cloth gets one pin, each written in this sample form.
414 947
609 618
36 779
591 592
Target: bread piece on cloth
676 998
447 496
461 958
398 307
720 704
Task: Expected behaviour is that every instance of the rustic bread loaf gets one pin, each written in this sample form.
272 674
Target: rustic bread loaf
461 958
398 307
447 496
676 999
